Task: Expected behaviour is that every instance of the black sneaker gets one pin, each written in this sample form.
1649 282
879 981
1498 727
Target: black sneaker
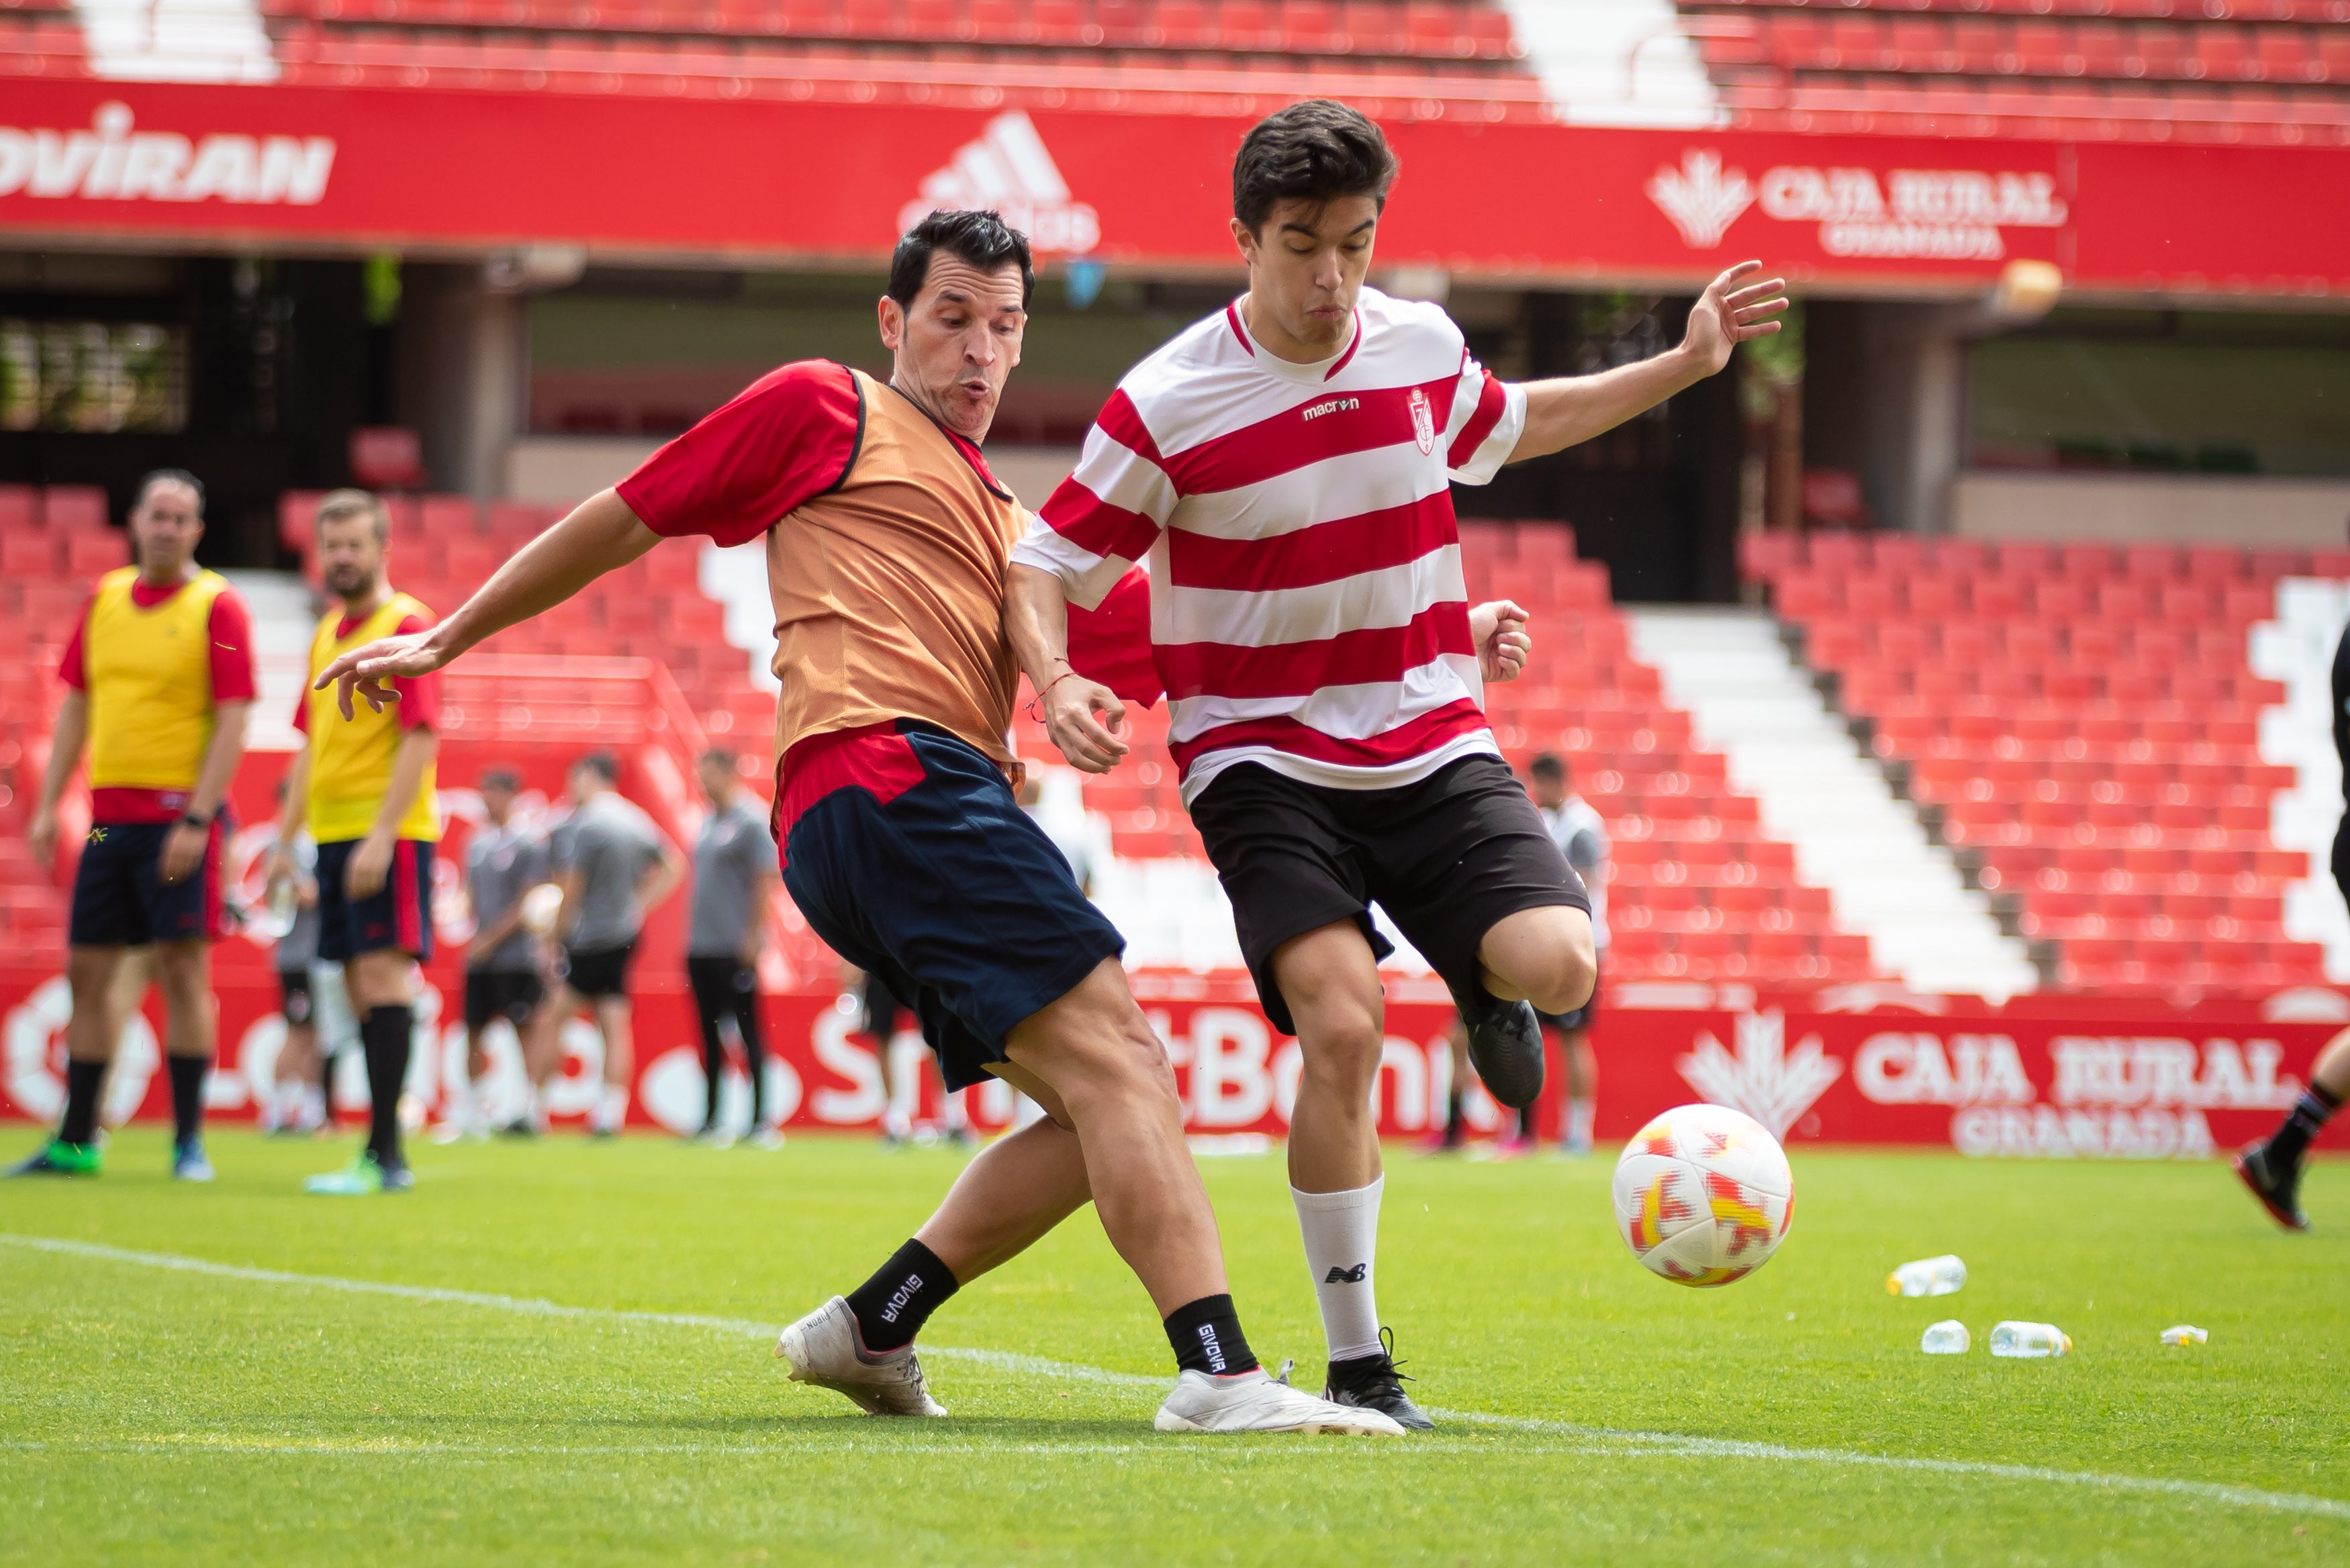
2279 1189
1372 1383
1505 1044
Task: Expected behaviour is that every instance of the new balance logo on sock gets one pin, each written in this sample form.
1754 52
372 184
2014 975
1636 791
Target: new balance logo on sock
1354 1276
1215 1352
900 1296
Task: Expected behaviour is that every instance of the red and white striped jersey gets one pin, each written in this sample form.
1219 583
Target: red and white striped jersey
1307 610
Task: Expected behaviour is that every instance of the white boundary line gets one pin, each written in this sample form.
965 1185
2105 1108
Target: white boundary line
1579 1440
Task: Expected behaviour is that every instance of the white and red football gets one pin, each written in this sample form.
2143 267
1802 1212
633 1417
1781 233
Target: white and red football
1703 1195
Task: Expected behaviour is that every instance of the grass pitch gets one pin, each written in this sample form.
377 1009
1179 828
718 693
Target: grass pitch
256 1408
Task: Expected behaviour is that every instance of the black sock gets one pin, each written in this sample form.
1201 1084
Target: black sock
83 1081
1207 1337
892 1306
384 1036
2309 1115
187 1095
1526 1123
1453 1125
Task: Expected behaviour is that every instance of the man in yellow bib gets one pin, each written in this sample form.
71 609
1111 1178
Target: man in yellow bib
159 670
364 787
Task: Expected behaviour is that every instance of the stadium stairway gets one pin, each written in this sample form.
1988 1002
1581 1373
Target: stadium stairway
2081 724
1819 791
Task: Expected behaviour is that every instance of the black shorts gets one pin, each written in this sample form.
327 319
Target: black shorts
1581 1018
121 901
512 994
1447 859
598 971
909 856
294 991
397 915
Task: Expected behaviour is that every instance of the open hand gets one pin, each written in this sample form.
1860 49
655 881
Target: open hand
1731 312
183 852
370 670
369 864
1498 631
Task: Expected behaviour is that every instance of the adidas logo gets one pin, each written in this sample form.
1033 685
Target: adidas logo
1009 171
1354 1276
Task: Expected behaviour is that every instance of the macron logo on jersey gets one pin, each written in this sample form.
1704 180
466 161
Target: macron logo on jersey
1333 406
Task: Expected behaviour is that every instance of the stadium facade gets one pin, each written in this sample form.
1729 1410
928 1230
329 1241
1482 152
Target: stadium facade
241 232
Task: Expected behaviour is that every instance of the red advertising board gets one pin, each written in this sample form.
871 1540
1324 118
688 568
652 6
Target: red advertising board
763 179
2028 1081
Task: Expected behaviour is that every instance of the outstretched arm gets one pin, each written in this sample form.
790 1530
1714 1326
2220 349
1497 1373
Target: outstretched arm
1036 620
1574 409
601 535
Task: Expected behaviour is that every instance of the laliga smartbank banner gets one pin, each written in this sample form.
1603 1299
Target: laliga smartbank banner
766 177
2062 1083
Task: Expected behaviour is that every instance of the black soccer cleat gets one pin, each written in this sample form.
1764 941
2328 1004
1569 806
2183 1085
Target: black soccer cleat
2278 1190
1372 1383
1505 1044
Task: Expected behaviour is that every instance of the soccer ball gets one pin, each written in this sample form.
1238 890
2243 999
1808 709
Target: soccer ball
1703 1195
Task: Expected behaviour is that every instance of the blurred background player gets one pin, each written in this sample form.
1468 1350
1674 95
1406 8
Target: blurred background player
298 1097
733 895
364 787
882 1014
2272 1167
503 862
160 677
613 865
1581 835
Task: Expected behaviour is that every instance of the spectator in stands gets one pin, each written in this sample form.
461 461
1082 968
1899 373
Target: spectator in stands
1065 826
504 861
613 866
733 895
159 671
1581 835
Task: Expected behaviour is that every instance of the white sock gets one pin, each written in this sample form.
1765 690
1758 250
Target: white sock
958 1118
458 1108
612 1110
1342 1243
1578 1121
894 1124
314 1106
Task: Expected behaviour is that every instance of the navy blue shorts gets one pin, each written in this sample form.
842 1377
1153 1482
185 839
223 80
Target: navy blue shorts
121 901
909 856
398 915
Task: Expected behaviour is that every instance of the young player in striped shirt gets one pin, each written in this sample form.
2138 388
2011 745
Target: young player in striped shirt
1283 467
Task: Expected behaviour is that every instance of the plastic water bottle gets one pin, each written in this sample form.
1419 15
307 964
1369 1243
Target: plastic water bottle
1927 1277
2186 1334
2032 1339
1947 1337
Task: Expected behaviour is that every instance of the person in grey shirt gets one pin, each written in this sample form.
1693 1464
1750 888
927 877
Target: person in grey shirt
613 865
503 862
734 892
1581 835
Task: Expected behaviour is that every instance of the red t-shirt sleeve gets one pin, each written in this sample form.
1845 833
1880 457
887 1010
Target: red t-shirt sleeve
302 709
786 438
69 670
420 695
231 627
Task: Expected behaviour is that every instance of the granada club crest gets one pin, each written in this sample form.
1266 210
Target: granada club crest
1423 421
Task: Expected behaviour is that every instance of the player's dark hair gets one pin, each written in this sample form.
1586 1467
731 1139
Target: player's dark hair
603 765
720 754
171 476
1316 152
982 239
1549 766
502 778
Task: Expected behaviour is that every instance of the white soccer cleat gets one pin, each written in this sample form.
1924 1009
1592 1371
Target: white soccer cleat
1254 1402
823 1350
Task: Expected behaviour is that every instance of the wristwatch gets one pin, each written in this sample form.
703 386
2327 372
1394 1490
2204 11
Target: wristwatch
192 820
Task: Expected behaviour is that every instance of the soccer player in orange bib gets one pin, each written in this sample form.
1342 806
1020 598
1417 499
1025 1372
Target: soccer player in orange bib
903 842
161 671
364 787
